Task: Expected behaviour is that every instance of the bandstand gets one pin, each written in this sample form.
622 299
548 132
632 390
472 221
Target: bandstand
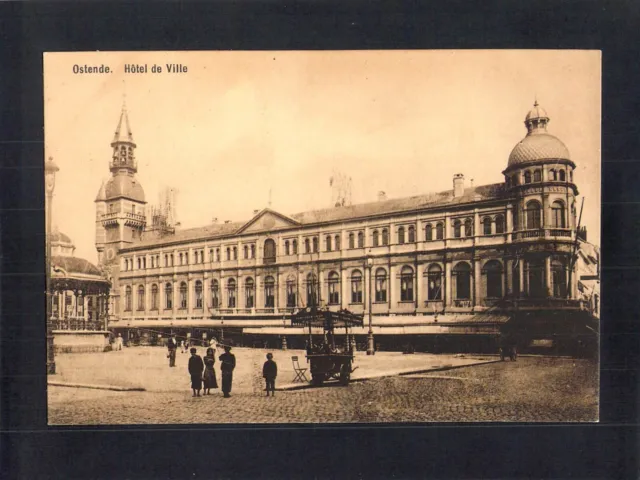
80 306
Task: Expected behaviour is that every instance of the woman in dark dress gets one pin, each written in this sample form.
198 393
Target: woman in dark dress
195 370
209 377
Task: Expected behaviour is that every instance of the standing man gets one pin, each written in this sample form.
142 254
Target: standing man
270 372
119 342
196 366
172 345
227 364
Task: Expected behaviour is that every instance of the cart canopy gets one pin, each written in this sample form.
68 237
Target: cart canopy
326 319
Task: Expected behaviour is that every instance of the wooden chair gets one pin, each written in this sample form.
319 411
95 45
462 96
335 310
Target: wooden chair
299 371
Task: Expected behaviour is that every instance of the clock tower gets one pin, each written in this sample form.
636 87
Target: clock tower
120 203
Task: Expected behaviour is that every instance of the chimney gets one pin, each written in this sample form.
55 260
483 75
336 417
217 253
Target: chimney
255 212
382 196
458 185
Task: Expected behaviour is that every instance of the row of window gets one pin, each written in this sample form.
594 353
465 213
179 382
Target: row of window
378 237
461 277
536 176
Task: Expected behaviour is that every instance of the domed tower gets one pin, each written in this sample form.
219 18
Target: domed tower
539 176
120 203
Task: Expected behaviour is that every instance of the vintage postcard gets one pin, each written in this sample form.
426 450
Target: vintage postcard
322 236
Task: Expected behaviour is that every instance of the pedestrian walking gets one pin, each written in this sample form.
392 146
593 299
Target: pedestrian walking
172 345
270 372
196 366
183 347
119 342
209 377
227 364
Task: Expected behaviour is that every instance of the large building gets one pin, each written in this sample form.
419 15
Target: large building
447 268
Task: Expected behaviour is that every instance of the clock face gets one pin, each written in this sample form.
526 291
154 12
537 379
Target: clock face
111 254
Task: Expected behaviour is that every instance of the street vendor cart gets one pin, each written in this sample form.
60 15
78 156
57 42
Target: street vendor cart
327 360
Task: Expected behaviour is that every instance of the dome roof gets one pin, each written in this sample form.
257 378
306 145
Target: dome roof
60 237
541 146
123 185
536 112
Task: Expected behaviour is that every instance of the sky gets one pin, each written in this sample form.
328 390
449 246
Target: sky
238 130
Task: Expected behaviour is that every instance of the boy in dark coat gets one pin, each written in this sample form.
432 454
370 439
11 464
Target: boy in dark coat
227 364
270 372
196 366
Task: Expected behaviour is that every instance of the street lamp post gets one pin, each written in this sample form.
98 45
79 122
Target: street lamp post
371 350
50 169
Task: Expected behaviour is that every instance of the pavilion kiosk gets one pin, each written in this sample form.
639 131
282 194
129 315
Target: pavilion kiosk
328 360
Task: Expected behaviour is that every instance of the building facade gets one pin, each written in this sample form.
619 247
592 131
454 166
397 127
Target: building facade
461 261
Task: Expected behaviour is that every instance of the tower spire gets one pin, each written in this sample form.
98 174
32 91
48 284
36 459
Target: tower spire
123 144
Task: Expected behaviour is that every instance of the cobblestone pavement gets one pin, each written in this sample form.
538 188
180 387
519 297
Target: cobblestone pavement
533 389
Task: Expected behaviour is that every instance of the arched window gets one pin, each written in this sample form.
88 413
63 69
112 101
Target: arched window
286 247
327 242
381 285
154 297
571 175
401 235
140 297
537 176
457 228
181 256
493 271
412 234
527 177
314 242
231 293
249 293
211 257
462 282
269 251
351 241
356 286
295 247
337 242
434 282
152 262
246 251
385 236
269 292
171 258
439 231
562 176
183 295
553 174
215 298
428 233
557 214
360 240
468 228
217 254
127 299
291 291
374 238
235 253
533 215
166 260
559 279
312 290
486 225
253 251
198 292
307 246
334 288
499 224
168 296
228 253
406 284
139 263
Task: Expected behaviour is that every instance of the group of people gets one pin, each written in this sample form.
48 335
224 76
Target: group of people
203 374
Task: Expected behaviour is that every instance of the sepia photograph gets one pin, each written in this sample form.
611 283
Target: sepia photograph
314 237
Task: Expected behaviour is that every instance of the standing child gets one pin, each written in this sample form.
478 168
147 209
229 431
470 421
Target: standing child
270 372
